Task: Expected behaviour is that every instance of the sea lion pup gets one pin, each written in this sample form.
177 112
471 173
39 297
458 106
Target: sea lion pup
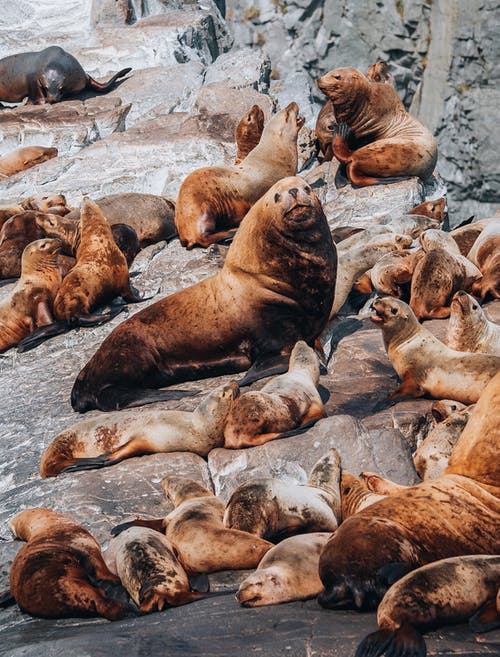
469 329
29 305
393 272
24 158
289 571
440 273
284 403
150 215
486 255
447 591
15 235
212 201
395 144
423 363
355 494
100 442
60 572
273 508
432 456
276 287
248 132
46 76
354 261
145 562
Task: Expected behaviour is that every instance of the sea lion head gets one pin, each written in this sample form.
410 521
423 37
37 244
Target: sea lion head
55 202
379 72
254 117
219 401
392 314
286 123
436 209
40 254
51 223
51 83
263 587
342 84
434 238
305 358
466 306
180 489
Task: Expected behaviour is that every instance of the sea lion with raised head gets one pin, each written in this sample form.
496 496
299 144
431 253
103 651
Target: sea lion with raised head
423 363
248 132
396 144
46 76
282 404
469 329
24 158
275 288
212 201
60 572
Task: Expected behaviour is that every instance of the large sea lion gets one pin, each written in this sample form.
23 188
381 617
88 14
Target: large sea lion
282 404
60 572
248 132
469 329
100 442
289 571
396 144
29 305
212 201
24 158
276 287
446 591
46 76
486 255
423 363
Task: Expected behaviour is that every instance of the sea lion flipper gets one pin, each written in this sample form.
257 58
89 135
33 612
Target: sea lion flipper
264 368
98 318
6 599
406 641
199 582
41 334
93 463
105 86
114 398
374 644
158 524
486 619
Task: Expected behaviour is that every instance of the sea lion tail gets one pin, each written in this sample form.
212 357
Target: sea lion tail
106 86
404 642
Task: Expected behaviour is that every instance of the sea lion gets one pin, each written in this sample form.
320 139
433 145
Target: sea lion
148 568
398 144
60 572
282 404
440 273
15 235
435 209
212 201
248 132
150 215
29 305
24 158
273 508
444 408
56 203
393 272
423 363
46 76
354 261
465 236
379 485
99 442
469 329
289 571
447 591
276 287
486 255
355 495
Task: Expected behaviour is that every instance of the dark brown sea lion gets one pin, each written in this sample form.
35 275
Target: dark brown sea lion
212 201
275 288
60 572
15 235
396 144
29 305
446 591
469 329
248 132
46 76
24 158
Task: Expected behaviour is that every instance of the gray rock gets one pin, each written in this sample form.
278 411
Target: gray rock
241 68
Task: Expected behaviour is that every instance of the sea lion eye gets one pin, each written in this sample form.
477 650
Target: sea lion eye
474 307
307 190
277 197
394 311
337 77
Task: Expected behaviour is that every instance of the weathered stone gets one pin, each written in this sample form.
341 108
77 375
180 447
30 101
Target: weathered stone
241 68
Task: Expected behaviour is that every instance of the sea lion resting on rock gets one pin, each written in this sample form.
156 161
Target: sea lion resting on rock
100 442
395 143
469 329
46 76
289 571
212 201
24 158
355 495
446 591
434 209
465 236
486 255
270 507
15 235
248 132
284 403
196 531
29 305
423 363
393 272
60 572
56 203
276 287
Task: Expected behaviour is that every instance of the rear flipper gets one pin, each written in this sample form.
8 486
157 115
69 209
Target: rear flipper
6 599
6 281
106 86
486 619
94 463
404 642
265 367
158 524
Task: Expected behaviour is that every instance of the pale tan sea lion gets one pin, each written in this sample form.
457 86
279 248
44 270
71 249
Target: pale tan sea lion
24 158
355 495
444 408
393 272
469 329
465 236
248 132
289 571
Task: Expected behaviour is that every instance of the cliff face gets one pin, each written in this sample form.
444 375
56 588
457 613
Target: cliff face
444 57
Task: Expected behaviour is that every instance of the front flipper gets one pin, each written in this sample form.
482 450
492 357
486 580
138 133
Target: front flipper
404 642
158 524
486 619
94 463
114 398
263 368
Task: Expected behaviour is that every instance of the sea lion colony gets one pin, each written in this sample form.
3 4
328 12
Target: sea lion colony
285 278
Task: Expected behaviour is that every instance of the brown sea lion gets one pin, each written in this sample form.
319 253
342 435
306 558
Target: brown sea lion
423 363
446 591
355 495
212 201
15 235
393 272
275 288
60 572
486 255
56 203
444 408
465 236
435 209
248 132
29 305
24 158
398 144
469 329
46 76
282 404
273 508
100 442
289 571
